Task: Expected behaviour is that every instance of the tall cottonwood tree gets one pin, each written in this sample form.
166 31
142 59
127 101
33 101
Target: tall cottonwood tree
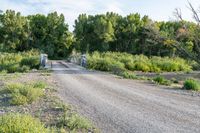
14 31
49 34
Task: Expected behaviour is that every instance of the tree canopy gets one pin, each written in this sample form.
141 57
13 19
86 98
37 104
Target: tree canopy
133 34
49 33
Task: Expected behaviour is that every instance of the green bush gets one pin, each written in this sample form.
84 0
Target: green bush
21 94
105 61
18 62
174 80
18 123
161 80
32 62
39 84
192 84
128 75
74 122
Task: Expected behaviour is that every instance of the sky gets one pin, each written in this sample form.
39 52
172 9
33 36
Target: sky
161 10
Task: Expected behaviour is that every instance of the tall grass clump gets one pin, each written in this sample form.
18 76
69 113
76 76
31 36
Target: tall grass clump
18 123
161 80
19 62
192 84
105 61
74 122
20 94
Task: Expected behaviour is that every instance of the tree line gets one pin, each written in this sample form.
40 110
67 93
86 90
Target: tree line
133 34
49 33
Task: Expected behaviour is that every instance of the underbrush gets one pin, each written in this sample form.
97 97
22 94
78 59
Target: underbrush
19 62
20 94
162 81
74 122
17 123
192 84
106 61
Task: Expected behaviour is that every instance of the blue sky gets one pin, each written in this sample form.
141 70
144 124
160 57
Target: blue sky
156 9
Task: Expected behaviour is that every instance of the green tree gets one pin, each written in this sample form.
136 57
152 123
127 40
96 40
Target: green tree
15 31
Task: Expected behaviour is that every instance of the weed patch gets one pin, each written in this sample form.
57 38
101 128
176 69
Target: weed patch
18 62
21 94
192 84
105 62
18 123
161 81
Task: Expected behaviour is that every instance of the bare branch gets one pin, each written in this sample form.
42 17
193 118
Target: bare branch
178 14
195 13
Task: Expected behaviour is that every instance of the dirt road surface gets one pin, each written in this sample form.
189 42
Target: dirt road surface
126 106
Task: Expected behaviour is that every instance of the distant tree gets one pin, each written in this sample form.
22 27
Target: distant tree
51 35
14 31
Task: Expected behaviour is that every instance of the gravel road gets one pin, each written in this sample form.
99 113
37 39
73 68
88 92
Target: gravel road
126 106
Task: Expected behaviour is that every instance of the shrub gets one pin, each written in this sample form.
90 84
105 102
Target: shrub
24 69
161 80
22 94
74 122
192 84
18 62
32 62
104 61
18 123
174 80
117 67
18 99
128 75
39 84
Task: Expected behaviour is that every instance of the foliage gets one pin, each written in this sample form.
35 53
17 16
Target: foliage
19 62
74 122
111 61
192 84
48 34
18 123
32 62
128 75
161 80
21 94
133 34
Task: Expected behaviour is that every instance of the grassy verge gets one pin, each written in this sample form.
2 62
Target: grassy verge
20 94
31 99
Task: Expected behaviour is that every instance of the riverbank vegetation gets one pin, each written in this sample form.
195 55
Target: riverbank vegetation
109 61
19 62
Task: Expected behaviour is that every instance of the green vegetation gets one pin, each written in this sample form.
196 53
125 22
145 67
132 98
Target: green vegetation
55 115
19 62
21 94
192 84
115 61
136 34
73 121
161 80
47 34
18 123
